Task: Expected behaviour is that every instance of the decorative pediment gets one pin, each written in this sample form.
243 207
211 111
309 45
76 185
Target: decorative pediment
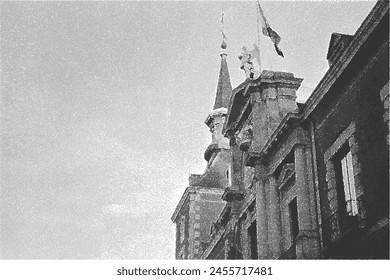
287 172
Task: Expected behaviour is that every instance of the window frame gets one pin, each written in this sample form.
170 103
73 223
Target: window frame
345 181
344 146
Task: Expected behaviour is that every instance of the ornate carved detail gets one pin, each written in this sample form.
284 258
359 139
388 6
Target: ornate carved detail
285 174
250 62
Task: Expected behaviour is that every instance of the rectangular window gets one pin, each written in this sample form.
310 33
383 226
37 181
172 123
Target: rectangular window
345 181
252 234
294 218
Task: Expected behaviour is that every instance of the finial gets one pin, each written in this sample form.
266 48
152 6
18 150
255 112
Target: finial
224 45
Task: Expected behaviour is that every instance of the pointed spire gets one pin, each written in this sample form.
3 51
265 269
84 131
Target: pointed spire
224 88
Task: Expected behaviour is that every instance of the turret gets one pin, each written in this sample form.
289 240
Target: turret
201 202
216 118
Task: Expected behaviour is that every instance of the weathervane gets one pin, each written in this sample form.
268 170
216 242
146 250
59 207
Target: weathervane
222 29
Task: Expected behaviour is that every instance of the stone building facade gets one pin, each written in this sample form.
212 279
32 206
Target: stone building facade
309 181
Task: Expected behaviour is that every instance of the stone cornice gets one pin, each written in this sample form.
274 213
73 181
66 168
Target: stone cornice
216 112
267 78
278 78
230 195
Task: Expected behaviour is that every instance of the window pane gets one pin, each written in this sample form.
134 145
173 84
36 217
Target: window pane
346 181
349 184
352 189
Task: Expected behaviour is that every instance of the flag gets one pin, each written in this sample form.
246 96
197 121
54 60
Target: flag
268 31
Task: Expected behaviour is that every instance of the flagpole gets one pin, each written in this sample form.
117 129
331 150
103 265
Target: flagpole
258 37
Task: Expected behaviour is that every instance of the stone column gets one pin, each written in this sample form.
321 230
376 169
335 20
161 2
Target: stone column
307 241
275 234
261 212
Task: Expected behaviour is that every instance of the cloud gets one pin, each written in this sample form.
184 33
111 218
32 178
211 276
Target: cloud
121 210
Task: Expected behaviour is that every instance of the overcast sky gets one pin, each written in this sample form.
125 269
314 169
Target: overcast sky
102 111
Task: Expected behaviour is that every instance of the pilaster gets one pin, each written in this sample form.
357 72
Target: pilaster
275 230
261 211
307 241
